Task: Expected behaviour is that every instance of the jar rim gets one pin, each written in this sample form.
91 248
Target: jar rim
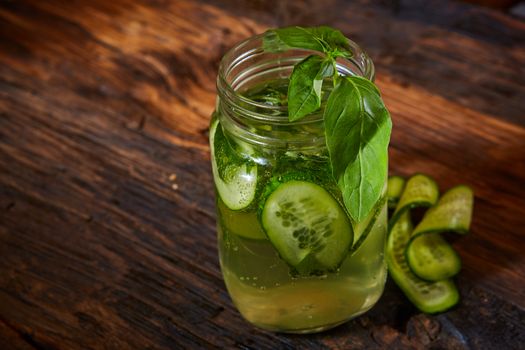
224 68
242 51
246 65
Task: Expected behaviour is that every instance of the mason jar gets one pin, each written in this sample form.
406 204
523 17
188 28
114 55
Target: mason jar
291 257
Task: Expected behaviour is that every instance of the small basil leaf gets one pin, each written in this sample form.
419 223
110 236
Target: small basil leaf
357 130
334 38
304 90
322 39
283 39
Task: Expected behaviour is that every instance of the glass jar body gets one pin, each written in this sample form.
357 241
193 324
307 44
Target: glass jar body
259 160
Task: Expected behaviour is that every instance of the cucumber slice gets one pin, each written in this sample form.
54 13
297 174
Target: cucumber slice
429 256
396 185
429 297
363 228
420 191
307 226
241 223
235 176
452 213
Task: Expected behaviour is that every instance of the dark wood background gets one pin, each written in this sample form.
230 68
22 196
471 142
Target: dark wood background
107 223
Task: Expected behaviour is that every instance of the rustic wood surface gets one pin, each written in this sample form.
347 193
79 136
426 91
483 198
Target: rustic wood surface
104 107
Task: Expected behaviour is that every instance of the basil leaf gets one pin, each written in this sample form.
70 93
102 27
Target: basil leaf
357 130
335 39
322 39
304 89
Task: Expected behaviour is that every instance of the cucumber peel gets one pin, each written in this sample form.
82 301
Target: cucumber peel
429 297
420 261
420 191
429 256
395 187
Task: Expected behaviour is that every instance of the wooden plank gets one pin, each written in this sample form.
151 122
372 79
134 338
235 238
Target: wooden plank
102 102
11 339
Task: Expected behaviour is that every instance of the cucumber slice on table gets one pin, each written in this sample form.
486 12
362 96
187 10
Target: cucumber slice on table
429 297
420 261
429 256
420 191
395 187
307 226
235 176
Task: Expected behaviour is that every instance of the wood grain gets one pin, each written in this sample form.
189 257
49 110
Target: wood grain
101 103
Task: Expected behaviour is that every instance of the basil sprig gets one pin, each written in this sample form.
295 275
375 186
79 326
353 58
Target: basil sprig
357 123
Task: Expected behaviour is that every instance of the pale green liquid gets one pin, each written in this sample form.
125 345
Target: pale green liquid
267 295
260 283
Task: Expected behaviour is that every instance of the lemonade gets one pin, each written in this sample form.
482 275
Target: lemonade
301 242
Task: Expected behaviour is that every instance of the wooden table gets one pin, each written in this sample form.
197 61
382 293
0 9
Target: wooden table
107 223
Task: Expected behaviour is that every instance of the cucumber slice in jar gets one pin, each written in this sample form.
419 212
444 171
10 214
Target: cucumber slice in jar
429 256
429 297
307 226
363 228
235 176
241 223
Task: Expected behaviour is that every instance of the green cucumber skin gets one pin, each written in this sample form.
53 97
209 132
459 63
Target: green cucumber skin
427 308
429 199
458 221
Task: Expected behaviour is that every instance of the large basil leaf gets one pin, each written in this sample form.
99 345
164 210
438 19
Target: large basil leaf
323 39
304 89
357 129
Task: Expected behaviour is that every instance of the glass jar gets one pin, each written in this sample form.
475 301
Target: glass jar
291 257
